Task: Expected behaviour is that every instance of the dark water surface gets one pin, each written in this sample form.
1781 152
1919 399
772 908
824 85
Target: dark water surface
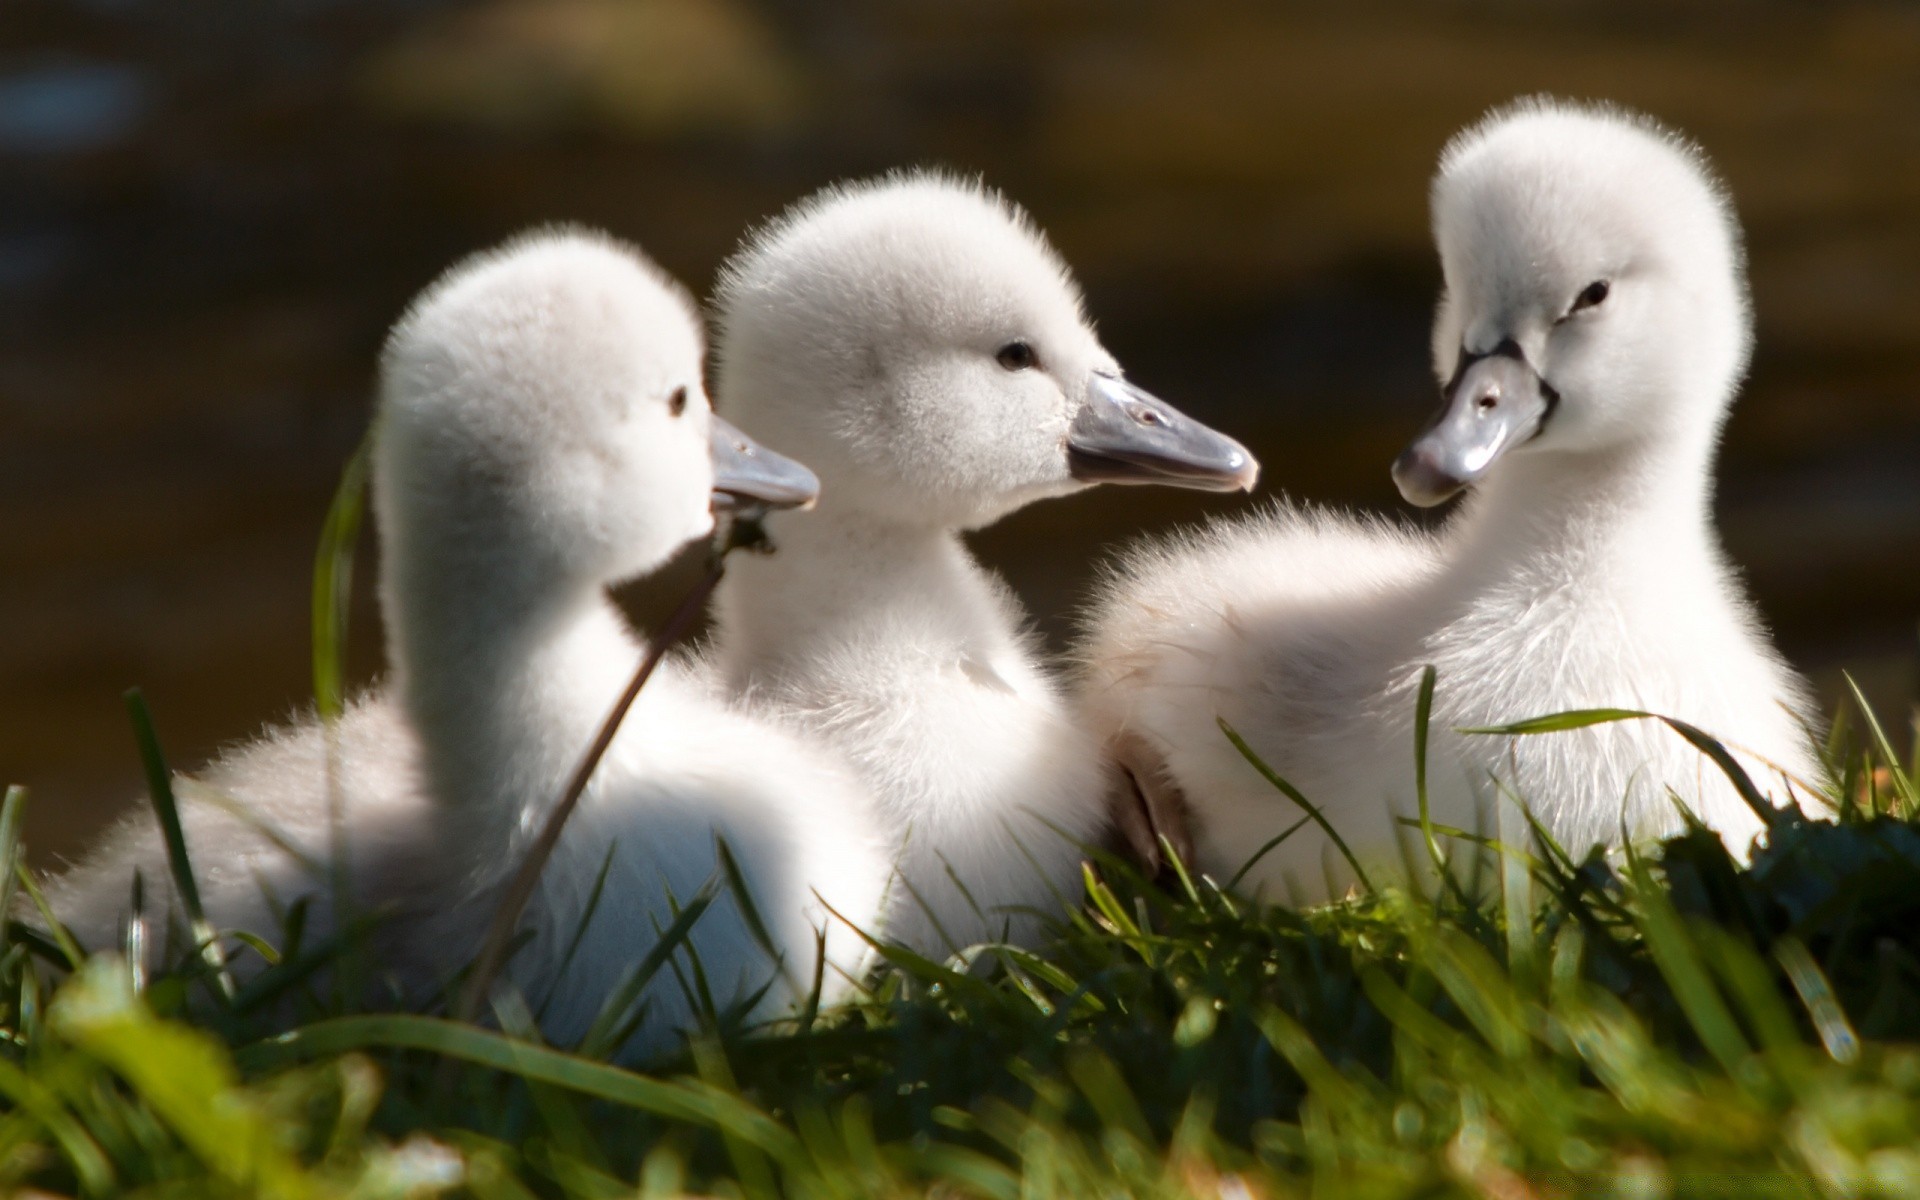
210 210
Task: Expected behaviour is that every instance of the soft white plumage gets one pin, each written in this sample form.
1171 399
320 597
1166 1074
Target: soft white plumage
917 342
543 433
1593 328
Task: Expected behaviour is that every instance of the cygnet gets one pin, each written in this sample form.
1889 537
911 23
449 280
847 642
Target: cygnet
1590 336
542 433
918 342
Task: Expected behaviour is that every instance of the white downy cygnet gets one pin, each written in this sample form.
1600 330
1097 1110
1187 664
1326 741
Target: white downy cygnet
543 433
917 341
1592 331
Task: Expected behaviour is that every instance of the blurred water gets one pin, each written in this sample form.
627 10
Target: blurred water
210 211
73 108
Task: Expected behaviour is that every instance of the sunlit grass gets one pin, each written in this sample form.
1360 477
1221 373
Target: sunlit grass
1676 1025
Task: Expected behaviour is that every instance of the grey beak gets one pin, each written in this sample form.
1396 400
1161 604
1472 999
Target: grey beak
1124 435
1496 402
744 471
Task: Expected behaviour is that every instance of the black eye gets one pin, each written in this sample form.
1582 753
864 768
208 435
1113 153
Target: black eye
1591 295
677 403
1016 356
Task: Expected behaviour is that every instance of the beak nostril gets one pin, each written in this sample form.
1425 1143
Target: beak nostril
1489 402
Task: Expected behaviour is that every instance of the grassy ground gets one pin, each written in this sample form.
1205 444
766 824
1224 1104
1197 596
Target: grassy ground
1670 1023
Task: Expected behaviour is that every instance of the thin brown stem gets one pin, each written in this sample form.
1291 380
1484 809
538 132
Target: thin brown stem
514 902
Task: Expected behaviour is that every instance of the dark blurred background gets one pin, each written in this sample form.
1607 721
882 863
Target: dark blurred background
210 210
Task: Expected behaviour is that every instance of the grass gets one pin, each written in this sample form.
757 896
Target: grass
1671 1023
1679 1026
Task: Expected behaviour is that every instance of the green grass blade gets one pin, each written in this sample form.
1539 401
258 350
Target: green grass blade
1735 773
185 1075
1266 847
1680 962
333 581
736 880
1412 1018
167 812
1746 979
620 1017
1422 721
1292 793
296 967
695 1103
90 1164
810 1005
1422 715
1705 743
1829 1019
1479 988
1173 859
1579 718
1108 905
12 811
1492 844
749 1160
1294 1044
57 944
332 604
587 912
1903 784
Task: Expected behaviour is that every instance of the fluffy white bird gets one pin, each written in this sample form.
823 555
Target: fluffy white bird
543 433
1590 337
917 341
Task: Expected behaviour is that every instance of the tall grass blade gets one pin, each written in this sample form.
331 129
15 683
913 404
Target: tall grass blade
755 1173
1903 784
296 967
1579 718
587 912
167 812
1680 963
750 913
1482 992
620 1016
1829 1019
1422 721
1702 741
697 1104
12 813
1172 857
810 1006
1422 715
1292 793
332 603
1736 774
57 944
1747 980
333 581
1271 844
1294 1044
136 935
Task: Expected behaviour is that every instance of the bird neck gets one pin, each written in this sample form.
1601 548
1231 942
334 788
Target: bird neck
506 677
844 571
1617 516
